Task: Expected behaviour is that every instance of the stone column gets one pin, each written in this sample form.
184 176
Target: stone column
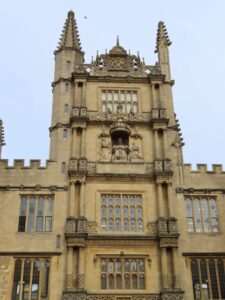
160 199
84 94
170 204
69 268
175 268
82 198
156 143
75 94
83 138
154 104
165 143
164 269
74 142
72 199
81 268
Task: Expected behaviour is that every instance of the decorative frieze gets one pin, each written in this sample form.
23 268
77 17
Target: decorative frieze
74 296
98 116
69 281
80 281
172 296
76 165
166 281
71 226
152 228
91 167
168 242
76 225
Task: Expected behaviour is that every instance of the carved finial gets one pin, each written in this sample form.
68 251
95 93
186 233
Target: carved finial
92 60
117 41
143 60
70 36
2 139
138 54
162 36
97 54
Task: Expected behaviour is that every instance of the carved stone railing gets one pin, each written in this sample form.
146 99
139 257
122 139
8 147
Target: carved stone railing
162 165
167 295
79 112
167 226
76 164
76 226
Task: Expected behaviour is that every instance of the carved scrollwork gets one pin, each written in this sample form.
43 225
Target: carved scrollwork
152 228
74 296
81 225
91 167
172 296
70 226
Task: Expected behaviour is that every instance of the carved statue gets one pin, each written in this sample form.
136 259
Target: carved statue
120 151
135 152
105 152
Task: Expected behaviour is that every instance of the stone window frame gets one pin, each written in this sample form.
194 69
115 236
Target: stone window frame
122 206
197 221
115 276
42 219
30 273
208 276
128 106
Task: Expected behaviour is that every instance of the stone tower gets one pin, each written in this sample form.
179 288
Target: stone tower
115 214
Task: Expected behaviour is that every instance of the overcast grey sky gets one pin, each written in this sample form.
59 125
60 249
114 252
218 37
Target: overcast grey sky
30 30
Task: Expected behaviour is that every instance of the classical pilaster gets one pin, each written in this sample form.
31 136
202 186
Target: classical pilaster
170 200
74 143
165 280
72 199
165 143
83 140
69 269
160 200
176 283
81 268
82 197
156 143
84 94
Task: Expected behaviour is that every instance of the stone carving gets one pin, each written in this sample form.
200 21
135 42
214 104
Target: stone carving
83 111
82 164
120 152
69 281
74 296
75 111
81 225
135 152
73 166
105 150
168 242
81 281
70 225
162 113
155 113
124 297
163 179
91 168
166 281
118 63
172 225
158 165
167 165
152 228
96 116
92 227
162 226
172 296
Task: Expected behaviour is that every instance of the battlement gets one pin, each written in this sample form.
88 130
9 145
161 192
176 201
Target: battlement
20 164
204 168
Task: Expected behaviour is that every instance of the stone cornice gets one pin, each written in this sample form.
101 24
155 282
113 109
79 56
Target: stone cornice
33 188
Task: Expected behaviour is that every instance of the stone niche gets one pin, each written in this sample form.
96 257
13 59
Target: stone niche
119 144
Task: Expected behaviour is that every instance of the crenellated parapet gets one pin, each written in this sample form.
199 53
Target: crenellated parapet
204 168
20 164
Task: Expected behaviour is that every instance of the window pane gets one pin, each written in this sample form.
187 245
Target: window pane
118 282
117 211
16 279
104 200
198 221
118 225
111 281
134 282
133 265
132 225
31 213
49 207
141 265
26 278
35 280
141 282
214 286
118 199
22 217
205 213
103 282
125 225
140 225
104 224
132 212
118 265
127 281
104 265
48 223
195 279
110 266
111 211
103 211
111 225
221 277
45 279
215 223
126 265
40 214
125 211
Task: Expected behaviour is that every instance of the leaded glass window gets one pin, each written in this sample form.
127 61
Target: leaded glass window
201 214
35 213
122 273
121 212
111 99
208 277
31 276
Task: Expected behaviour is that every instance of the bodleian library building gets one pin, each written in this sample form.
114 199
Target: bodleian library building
114 214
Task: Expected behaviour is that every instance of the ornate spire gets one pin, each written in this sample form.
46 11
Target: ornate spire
162 36
2 140
70 36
